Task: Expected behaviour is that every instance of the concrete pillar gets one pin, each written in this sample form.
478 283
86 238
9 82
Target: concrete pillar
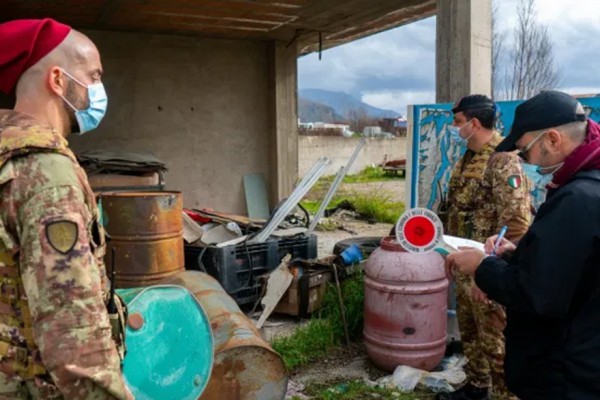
283 77
463 49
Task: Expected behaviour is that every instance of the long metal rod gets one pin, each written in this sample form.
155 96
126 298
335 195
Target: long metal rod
332 189
334 186
302 185
342 308
289 205
311 171
299 192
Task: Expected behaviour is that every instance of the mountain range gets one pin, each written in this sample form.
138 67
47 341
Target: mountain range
316 105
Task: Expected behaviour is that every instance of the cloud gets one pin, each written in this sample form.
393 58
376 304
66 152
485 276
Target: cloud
398 99
397 67
573 27
402 58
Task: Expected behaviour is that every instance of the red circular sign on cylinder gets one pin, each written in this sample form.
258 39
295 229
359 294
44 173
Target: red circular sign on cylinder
419 230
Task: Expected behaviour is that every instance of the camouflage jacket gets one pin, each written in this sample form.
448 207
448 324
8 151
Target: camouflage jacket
488 190
54 325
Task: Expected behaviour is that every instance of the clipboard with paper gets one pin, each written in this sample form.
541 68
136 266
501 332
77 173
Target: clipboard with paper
451 244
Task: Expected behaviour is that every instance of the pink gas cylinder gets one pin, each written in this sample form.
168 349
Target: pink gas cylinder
405 307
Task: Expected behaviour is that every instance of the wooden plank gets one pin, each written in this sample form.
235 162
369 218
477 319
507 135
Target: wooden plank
233 6
361 25
278 283
267 19
285 3
339 20
220 12
173 25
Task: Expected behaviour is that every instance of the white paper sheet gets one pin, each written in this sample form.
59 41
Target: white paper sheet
452 243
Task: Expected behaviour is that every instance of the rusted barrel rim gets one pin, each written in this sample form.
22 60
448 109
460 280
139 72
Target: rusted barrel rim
139 194
389 243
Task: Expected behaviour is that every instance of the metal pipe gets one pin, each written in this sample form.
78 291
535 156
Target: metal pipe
305 181
288 205
292 201
328 197
334 187
341 301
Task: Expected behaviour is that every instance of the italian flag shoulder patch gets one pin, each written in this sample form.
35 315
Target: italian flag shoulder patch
514 181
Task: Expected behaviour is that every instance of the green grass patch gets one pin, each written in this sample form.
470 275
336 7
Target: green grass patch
377 206
371 174
358 390
307 344
353 293
312 206
325 330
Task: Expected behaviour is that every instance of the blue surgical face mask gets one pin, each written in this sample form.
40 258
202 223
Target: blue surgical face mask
538 179
456 137
90 118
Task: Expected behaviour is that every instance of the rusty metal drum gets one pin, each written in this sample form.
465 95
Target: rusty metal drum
245 366
405 307
146 231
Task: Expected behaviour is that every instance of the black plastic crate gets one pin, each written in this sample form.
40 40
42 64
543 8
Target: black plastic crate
298 246
232 267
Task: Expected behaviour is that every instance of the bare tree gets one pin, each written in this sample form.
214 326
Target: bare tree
359 119
498 47
530 60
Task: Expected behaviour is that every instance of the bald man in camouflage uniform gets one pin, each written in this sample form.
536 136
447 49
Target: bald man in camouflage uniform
486 191
56 337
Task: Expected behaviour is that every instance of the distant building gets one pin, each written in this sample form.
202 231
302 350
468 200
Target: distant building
324 129
372 131
395 126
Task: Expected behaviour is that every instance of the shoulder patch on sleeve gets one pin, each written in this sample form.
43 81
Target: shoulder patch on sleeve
62 235
514 181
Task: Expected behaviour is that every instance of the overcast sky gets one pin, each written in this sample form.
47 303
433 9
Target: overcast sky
395 68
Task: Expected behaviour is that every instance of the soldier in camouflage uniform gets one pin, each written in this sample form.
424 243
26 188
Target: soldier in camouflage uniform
56 339
486 191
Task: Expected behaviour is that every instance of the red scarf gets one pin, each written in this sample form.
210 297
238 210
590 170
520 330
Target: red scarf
585 157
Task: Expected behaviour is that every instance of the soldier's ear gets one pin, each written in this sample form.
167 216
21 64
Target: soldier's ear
57 81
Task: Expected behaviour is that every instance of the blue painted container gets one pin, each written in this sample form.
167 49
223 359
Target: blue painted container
169 343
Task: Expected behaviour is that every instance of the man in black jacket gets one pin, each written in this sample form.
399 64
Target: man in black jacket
550 282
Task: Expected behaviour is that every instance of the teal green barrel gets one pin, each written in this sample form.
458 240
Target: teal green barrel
169 343
245 366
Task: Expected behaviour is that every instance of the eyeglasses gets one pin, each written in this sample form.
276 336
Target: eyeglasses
523 153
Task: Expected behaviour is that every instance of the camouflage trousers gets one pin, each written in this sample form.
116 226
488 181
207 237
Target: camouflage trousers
481 326
38 389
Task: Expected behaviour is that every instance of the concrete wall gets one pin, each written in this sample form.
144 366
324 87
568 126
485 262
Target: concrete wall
201 105
339 149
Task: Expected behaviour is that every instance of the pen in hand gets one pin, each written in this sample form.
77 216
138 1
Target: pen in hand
499 239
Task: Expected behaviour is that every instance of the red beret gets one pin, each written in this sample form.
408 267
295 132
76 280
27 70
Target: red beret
23 43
